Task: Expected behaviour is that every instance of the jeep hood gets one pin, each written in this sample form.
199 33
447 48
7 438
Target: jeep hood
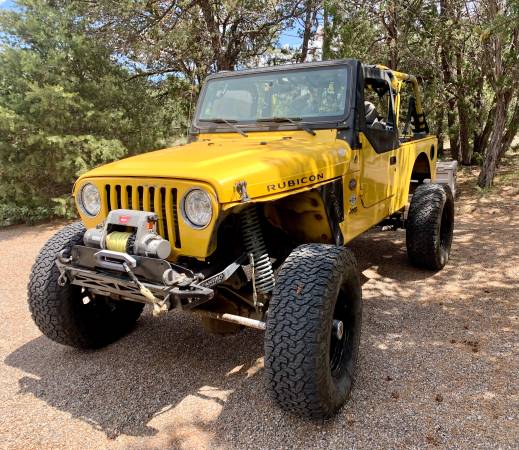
269 165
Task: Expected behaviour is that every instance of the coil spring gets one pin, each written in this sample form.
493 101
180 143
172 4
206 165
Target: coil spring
255 244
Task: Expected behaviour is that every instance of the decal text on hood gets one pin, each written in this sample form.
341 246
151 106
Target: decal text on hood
294 182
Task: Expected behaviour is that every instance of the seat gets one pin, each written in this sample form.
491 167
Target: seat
372 117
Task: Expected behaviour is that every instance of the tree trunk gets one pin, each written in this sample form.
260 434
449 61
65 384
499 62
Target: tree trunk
511 132
481 140
451 130
479 119
327 33
463 115
464 120
500 137
213 27
307 29
488 171
448 82
391 25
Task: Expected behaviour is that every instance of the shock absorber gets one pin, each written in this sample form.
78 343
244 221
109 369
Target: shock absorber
255 245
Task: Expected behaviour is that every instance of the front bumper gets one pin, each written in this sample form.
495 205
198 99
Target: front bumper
103 273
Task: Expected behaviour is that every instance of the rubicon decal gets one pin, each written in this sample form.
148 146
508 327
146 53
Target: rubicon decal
294 182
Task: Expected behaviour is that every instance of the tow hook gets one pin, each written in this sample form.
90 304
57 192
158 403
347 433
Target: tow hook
62 280
62 259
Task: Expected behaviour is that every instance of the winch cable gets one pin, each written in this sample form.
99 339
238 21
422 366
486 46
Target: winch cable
119 241
159 307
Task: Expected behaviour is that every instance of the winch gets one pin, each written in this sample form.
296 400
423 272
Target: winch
129 231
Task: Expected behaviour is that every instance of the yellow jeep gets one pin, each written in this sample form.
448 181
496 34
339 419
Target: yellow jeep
246 225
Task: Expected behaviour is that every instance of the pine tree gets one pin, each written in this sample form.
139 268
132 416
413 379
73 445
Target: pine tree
67 104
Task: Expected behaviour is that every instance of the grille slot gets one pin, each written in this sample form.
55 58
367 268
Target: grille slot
140 196
152 198
129 196
118 201
108 202
175 217
162 201
163 212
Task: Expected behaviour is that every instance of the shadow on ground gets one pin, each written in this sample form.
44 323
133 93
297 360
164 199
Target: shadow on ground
120 388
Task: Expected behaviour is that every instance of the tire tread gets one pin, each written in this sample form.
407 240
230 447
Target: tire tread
51 305
295 350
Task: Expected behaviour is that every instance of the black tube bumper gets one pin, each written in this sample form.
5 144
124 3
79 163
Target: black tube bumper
102 273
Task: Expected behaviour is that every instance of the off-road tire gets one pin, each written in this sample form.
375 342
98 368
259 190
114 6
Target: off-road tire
430 226
60 312
305 373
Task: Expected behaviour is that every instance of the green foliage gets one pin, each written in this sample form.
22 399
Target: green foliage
190 37
68 105
11 214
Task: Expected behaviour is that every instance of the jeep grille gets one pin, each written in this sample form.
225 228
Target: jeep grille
160 200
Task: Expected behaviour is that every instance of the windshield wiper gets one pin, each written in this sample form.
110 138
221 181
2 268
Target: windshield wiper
229 123
293 120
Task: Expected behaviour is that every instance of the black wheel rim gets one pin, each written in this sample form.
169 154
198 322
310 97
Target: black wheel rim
341 349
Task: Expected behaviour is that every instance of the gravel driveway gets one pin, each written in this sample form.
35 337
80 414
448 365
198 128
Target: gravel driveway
439 360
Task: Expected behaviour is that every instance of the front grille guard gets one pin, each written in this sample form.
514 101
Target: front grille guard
170 287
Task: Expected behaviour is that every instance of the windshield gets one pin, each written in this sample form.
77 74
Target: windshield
304 94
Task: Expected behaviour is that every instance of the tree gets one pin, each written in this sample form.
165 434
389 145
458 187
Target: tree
465 52
309 25
191 38
500 43
66 106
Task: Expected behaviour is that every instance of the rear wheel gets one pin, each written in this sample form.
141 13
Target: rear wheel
68 314
430 226
313 330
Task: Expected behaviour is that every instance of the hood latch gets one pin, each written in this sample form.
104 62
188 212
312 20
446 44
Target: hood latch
241 189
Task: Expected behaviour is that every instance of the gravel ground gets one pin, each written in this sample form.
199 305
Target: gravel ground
439 359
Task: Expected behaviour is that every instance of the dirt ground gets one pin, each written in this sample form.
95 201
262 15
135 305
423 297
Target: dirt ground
439 362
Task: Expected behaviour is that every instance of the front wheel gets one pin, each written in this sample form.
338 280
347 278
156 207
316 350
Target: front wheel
313 330
68 314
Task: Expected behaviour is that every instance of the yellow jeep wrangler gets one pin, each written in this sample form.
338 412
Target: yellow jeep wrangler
246 225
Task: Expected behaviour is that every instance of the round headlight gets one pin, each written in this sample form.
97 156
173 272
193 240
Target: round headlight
90 199
197 208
